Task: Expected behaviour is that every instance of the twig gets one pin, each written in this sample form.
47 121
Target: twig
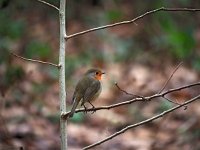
158 92
46 3
148 98
141 123
185 107
164 86
127 92
170 100
180 88
130 21
35 61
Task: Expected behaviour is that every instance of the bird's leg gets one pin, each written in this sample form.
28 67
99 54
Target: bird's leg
92 107
85 111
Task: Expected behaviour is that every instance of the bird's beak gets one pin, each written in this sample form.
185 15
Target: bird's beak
103 73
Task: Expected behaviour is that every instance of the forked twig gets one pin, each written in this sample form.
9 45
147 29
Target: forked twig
116 84
185 107
167 81
141 123
36 61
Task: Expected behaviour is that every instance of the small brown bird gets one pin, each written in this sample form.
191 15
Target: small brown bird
87 89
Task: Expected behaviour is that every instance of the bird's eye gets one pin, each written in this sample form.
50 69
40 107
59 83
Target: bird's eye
97 73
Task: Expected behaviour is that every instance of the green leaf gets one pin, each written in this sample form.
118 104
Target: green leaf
196 64
52 72
40 88
16 29
166 22
78 117
37 49
164 106
54 118
4 54
114 15
9 28
182 43
13 73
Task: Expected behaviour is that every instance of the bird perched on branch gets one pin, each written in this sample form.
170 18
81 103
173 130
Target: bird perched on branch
87 89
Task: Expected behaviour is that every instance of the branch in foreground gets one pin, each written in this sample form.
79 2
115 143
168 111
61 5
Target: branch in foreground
36 61
141 123
130 21
48 4
137 99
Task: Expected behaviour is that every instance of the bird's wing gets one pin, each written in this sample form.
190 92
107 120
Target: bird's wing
80 89
92 91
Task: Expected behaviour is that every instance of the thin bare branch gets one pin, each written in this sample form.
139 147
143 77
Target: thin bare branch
180 88
167 81
48 4
158 93
171 101
131 94
147 98
141 123
36 61
130 21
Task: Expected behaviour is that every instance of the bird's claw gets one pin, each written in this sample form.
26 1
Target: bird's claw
93 111
85 111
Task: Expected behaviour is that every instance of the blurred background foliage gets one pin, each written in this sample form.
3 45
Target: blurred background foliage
173 33
31 29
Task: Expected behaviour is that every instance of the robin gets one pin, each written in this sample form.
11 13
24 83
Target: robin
87 89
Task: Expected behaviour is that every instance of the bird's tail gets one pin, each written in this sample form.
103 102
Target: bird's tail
75 104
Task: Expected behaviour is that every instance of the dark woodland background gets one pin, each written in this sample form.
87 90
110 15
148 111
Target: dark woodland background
140 57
